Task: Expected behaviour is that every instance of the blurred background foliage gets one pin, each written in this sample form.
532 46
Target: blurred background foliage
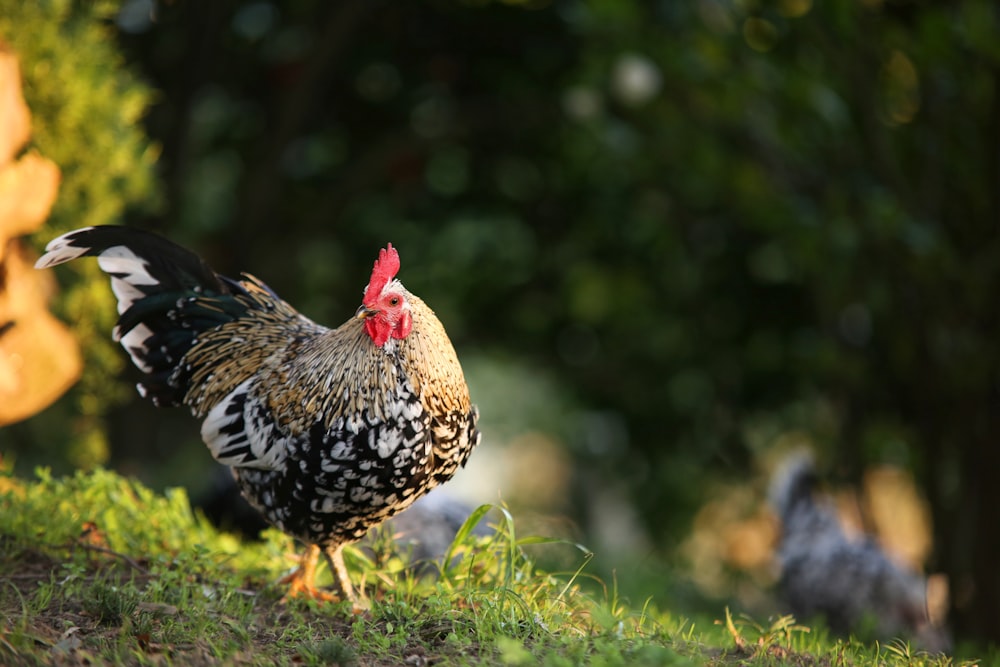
666 237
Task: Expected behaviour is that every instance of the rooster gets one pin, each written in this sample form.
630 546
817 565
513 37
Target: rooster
328 432
850 583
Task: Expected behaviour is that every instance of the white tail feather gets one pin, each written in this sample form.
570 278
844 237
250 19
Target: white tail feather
134 343
127 270
59 250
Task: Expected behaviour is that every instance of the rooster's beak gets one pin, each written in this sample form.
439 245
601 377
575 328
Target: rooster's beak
365 312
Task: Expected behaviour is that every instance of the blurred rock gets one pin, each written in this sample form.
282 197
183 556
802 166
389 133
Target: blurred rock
427 528
39 357
28 189
16 127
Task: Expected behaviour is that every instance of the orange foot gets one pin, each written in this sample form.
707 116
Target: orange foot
302 580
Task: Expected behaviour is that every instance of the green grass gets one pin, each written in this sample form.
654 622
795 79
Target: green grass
96 569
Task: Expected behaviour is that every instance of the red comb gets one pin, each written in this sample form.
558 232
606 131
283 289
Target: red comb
385 269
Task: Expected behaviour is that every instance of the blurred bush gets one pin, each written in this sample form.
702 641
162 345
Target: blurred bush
86 107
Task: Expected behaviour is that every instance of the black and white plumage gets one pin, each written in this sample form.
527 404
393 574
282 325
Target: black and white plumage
328 431
851 583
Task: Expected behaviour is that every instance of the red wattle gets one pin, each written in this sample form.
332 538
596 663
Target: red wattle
378 331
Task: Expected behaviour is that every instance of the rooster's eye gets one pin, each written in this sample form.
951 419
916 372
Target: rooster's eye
394 301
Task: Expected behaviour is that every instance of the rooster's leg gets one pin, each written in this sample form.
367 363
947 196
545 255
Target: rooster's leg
336 556
302 581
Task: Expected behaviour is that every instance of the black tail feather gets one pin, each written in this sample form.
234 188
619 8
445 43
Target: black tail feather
171 265
167 296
